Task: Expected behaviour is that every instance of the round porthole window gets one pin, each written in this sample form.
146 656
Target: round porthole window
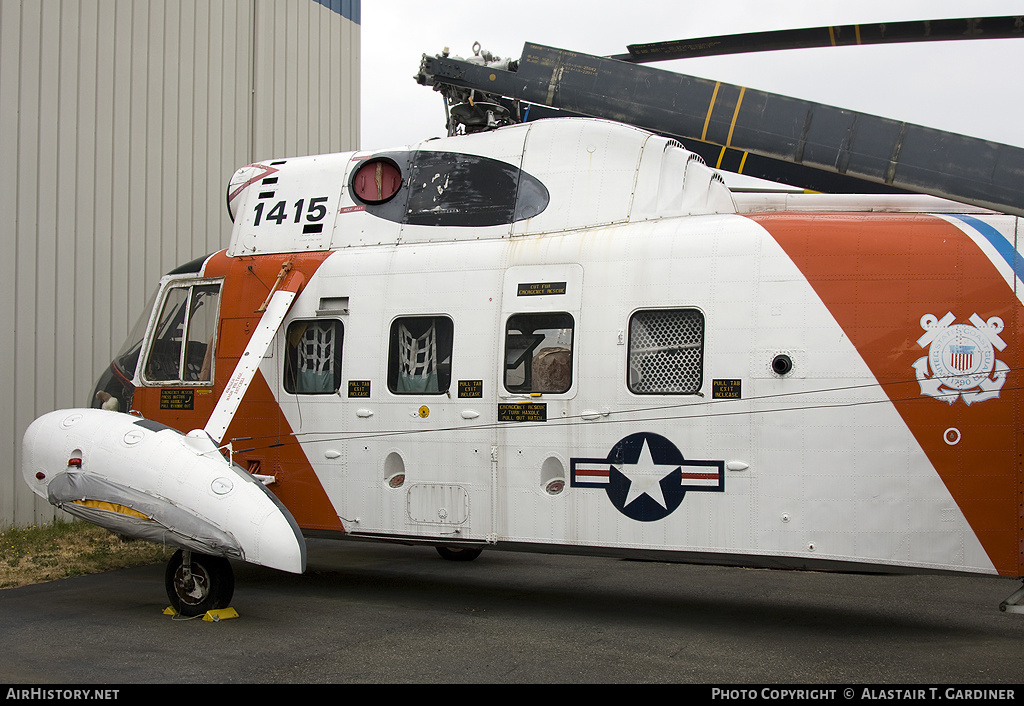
376 181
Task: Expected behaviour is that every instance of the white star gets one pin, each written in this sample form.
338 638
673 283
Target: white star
645 477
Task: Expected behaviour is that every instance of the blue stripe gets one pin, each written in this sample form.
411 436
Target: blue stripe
999 242
349 9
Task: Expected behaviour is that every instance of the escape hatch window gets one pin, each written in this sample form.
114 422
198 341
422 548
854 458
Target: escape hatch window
420 355
183 342
312 361
538 353
666 352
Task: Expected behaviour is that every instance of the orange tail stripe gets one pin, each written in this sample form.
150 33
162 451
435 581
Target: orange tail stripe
879 276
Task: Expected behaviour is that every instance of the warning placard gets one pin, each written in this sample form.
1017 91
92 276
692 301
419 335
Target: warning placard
358 388
540 289
525 412
177 398
471 388
725 389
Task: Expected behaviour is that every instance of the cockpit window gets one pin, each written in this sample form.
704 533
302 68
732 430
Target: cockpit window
127 359
183 342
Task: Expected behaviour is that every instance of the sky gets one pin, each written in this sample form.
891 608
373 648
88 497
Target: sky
966 87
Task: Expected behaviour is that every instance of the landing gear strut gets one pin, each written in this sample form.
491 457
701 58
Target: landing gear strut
1015 603
197 583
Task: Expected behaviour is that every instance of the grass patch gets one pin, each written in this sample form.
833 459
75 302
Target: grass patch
56 551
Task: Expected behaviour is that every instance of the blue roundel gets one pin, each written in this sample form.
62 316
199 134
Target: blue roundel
646 477
645 480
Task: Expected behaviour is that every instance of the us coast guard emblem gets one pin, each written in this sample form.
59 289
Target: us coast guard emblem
961 360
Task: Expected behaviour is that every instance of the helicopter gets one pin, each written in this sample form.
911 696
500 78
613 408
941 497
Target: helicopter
557 329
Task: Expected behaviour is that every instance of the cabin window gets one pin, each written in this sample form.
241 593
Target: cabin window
183 343
538 353
312 361
666 352
420 356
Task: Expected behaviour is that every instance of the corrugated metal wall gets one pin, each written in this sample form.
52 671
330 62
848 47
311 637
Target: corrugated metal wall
120 124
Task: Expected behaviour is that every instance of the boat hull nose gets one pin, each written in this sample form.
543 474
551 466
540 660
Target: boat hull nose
143 479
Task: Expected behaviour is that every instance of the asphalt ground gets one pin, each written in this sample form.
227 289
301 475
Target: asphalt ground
385 614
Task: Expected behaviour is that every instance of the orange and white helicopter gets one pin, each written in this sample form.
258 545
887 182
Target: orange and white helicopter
568 335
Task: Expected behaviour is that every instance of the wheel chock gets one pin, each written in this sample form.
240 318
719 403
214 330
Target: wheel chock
210 616
215 616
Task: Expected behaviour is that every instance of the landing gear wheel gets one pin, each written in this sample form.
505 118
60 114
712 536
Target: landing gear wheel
207 583
458 554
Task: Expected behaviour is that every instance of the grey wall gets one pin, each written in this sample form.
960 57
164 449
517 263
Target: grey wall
120 124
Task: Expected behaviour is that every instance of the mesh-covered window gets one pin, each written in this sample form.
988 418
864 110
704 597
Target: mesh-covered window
420 356
666 351
312 364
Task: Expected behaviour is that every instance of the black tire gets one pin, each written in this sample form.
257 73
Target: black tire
212 587
458 553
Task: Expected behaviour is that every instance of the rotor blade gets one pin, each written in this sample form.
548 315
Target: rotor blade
816 136
752 165
881 33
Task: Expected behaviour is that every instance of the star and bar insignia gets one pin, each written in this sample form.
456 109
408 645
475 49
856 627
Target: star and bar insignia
646 476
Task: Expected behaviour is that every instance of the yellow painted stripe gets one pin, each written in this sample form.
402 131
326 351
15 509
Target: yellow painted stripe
721 154
743 160
856 28
735 114
832 36
707 118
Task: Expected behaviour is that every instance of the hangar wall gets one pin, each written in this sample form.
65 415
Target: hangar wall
120 124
